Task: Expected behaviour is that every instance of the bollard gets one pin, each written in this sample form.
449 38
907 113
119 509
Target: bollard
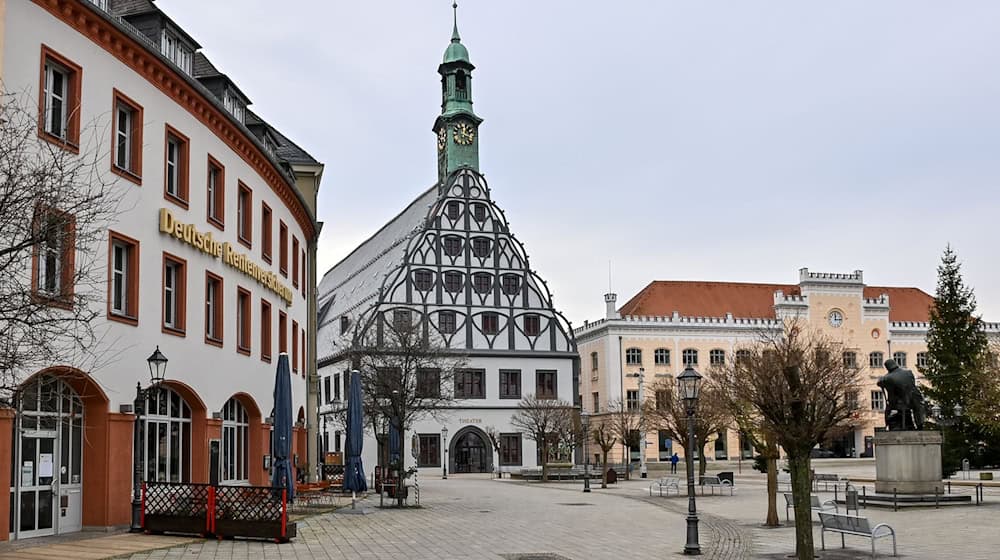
864 497
949 487
936 490
895 505
835 496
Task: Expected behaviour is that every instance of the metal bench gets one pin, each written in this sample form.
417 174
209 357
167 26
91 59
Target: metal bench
854 525
827 479
786 479
668 483
714 482
814 505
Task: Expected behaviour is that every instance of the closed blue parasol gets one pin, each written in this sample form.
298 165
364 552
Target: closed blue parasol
354 471
394 442
283 475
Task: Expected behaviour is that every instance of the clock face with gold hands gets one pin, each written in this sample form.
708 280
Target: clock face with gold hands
464 134
442 138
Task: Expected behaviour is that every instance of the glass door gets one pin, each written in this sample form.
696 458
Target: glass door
37 485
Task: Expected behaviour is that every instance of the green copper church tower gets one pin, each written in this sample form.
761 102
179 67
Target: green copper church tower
457 128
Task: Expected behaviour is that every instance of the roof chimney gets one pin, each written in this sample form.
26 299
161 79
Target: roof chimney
609 301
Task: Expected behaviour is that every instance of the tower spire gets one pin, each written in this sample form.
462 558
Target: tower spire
455 38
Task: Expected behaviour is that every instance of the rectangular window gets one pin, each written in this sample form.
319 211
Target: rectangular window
336 386
265 330
491 323
510 450
899 358
282 248
850 360
216 193
265 232
127 138
59 118
593 361
632 400
213 309
282 332
243 324
469 384
402 319
302 354
244 215
428 383
336 441
596 397
430 450
878 400
922 360
53 269
851 399
295 346
295 262
633 356
875 360
662 399
174 294
175 178
510 384
123 283
302 269
661 357
689 357
176 51
532 325
717 357
345 323
545 384
327 393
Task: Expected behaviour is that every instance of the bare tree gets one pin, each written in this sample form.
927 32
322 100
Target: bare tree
669 413
627 426
802 391
546 422
405 376
57 203
495 443
603 434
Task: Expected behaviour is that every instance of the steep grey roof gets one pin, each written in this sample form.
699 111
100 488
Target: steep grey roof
131 7
352 284
203 67
286 150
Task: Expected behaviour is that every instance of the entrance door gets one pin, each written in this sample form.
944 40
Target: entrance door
47 488
470 454
38 486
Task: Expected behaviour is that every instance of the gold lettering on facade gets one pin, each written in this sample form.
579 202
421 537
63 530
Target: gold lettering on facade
205 243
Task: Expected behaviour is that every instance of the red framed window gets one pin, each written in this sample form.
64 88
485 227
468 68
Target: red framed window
243 321
214 305
53 270
295 346
282 248
176 165
123 278
265 330
244 215
174 295
282 332
59 96
215 192
126 138
265 232
295 262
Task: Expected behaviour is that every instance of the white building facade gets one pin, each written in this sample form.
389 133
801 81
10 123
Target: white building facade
450 264
206 259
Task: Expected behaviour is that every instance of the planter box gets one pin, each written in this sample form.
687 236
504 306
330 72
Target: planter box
985 476
254 529
189 525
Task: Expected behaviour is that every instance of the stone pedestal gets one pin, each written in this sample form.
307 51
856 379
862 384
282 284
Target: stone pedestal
909 462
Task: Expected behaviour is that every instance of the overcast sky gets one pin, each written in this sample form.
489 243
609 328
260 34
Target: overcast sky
730 141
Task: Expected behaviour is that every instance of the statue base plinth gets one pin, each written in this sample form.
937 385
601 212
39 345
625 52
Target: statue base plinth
908 462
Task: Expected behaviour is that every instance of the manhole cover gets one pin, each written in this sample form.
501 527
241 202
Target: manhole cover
575 504
535 556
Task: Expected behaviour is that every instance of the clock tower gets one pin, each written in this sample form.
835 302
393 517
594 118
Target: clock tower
457 128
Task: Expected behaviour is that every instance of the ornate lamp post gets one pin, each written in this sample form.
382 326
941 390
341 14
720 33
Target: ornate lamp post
444 444
687 388
585 426
157 363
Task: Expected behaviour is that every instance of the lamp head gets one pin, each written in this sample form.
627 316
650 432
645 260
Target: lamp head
157 366
688 385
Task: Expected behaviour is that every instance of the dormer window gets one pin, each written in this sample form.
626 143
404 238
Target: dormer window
235 106
269 146
176 51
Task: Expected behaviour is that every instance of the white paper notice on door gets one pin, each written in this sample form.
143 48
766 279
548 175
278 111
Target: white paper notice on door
44 465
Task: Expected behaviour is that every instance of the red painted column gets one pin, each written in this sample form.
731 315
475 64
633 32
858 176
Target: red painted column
6 430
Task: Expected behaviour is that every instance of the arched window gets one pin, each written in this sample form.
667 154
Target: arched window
661 357
900 358
166 449
875 360
235 443
742 356
717 357
452 245
633 356
461 82
423 280
689 357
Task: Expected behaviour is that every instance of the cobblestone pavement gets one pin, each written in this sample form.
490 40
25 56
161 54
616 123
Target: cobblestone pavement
477 518
474 518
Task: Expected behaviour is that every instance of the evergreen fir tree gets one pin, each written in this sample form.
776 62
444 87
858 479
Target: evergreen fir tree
956 348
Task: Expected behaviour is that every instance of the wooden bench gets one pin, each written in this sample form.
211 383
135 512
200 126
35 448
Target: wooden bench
714 482
814 505
827 479
854 525
668 483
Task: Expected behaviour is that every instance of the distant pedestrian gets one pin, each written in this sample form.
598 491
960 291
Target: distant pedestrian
673 463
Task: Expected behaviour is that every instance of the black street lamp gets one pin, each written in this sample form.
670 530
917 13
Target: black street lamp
444 444
585 426
157 363
687 388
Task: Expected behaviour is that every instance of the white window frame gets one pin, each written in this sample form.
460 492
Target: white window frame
241 218
123 136
51 97
119 278
173 166
156 420
211 328
50 264
878 400
170 294
213 180
235 444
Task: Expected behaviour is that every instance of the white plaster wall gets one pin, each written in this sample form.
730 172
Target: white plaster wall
214 373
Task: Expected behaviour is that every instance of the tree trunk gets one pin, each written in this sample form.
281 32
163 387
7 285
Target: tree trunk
798 463
772 494
627 461
702 461
400 501
604 469
545 460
